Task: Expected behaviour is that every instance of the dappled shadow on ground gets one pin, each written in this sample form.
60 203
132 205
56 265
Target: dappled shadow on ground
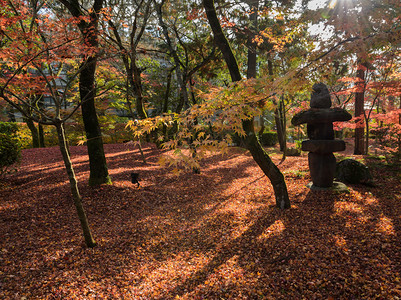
214 235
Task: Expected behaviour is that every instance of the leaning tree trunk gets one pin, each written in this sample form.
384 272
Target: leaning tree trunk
251 141
90 242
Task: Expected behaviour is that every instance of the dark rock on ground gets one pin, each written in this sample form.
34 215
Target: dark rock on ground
353 171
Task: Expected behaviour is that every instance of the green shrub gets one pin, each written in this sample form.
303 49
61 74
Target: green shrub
268 138
293 152
9 128
24 136
10 152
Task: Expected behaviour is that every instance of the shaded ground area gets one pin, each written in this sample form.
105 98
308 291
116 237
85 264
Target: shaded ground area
216 235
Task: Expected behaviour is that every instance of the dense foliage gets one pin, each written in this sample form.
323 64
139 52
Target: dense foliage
10 148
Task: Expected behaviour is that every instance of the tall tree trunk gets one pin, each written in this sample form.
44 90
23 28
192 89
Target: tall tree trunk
97 161
281 124
41 136
34 133
359 109
267 166
366 151
279 118
399 134
251 43
173 52
167 91
137 86
251 141
90 242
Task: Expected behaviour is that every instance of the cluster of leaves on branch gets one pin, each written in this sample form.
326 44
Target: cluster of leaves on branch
211 125
382 90
38 53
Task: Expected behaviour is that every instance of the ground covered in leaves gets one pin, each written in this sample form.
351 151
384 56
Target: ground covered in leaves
214 235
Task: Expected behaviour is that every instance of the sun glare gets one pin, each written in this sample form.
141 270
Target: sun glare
316 4
332 4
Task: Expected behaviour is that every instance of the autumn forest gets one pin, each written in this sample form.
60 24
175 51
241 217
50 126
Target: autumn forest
200 149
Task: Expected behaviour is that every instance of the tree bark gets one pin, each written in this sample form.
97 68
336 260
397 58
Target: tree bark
252 56
97 161
167 91
41 136
89 241
399 135
359 108
34 133
279 117
251 140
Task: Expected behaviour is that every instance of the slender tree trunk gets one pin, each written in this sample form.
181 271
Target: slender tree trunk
167 92
366 151
251 141
359 108
127 97
399 134
281 124
34 133
134 75
279 117
41 136
173 52
90 242
252 55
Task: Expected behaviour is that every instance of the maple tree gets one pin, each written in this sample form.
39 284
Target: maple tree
359 31
38 54
236 112
214 235
127 43
188 43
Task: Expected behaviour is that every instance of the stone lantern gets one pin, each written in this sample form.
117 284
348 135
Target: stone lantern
321 144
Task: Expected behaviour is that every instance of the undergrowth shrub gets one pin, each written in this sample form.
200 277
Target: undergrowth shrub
268 138
10 152
9 128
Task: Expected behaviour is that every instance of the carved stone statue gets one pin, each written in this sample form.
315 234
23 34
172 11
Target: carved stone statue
321 144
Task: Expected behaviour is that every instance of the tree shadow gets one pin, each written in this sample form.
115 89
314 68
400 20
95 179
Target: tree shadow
213 235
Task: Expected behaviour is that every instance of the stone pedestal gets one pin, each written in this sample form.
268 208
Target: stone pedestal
322 168
321 144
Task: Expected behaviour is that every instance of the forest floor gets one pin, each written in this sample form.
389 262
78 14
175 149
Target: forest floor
216 235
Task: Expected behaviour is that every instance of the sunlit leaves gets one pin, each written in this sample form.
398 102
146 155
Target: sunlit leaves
208 126
39 57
